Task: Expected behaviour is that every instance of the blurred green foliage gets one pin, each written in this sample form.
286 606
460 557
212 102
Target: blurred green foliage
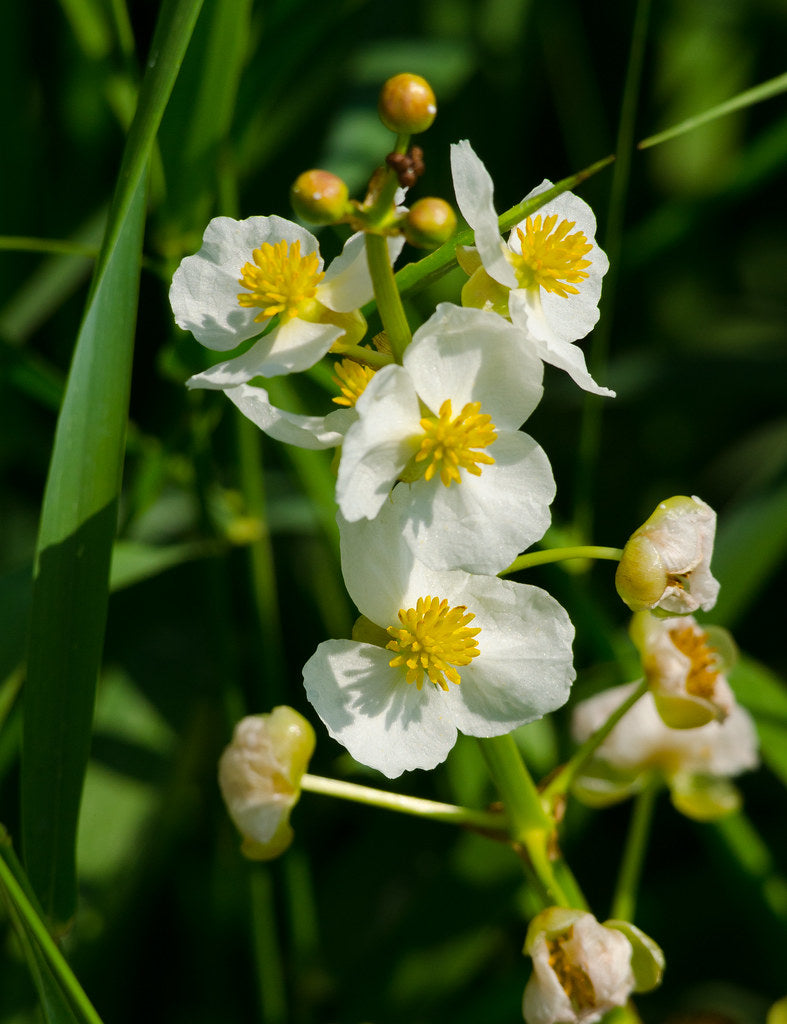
369 917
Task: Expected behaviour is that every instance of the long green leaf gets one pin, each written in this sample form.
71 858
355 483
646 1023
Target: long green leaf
80 506
62 998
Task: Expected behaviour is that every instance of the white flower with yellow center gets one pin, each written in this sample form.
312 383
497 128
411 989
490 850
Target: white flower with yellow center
473 490
434 652
546 277
248 272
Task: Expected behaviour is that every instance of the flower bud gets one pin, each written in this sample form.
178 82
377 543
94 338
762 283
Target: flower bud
259 777
666 562
581 969
429 223
407 104
319 197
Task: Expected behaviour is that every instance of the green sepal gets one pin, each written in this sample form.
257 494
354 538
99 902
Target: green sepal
601 784
647 958
704 797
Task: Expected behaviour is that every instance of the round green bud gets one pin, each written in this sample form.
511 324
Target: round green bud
319 197
407 104
429 223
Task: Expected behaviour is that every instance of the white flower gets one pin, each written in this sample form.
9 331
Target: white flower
546 277
470 653
259 776
446 423
249 271
666 562
684 666
695 763
581 969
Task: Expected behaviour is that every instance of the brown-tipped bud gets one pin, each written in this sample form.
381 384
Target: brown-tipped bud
407 104
319 197
429 223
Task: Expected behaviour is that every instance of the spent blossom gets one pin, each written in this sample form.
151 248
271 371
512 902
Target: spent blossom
581 969
260 774
666 562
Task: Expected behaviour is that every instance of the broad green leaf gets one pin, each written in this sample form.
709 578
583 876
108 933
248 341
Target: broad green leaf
765 696
80 506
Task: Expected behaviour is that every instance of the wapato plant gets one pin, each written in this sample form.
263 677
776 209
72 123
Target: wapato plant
438 493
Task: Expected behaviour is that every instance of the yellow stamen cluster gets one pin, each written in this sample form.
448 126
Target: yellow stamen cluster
449 443
280 280
352 379
551 259
573 978
703 670
433 640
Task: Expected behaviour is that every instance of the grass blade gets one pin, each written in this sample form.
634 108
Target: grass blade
80 507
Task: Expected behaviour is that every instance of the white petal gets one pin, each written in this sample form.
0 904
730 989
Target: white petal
379 444
368 707
205 287
312 432
475 197
525 668
527 314
482 523
347 284
293 346
469 355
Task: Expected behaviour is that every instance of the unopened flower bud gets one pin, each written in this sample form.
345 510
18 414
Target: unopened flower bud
319 197
666 562
429 223
581 969
259 776
407 104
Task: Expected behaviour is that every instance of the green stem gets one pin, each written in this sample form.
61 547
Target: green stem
430 809
43 940
533 558
562 780
389 303
362 354
432 267
625 900
530 825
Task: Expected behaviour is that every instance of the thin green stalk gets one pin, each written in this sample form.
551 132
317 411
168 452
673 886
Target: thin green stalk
389 302
431 809
598 352
534 558
758 93
260 552
362 354
624 902
530 825
562 780
266 947
43 940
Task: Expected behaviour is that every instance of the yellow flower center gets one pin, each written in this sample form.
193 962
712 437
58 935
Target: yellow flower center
449 443
433 639
280 280
550 259
573 979
703 670
352 379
